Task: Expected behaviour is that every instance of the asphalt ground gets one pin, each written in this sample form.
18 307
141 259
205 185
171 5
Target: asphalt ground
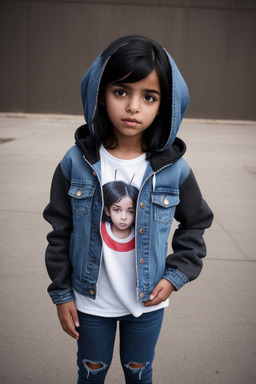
209 331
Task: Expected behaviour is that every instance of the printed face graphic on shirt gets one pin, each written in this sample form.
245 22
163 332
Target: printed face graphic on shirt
122 216
119 206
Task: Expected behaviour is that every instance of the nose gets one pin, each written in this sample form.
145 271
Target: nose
123 215
133 104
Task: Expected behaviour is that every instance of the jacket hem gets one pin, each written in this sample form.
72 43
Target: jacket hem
86 289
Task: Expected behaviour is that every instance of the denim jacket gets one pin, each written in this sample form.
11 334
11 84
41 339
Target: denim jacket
73 256
169 190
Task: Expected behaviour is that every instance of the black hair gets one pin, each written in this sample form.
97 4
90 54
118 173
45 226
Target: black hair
116 190
131 59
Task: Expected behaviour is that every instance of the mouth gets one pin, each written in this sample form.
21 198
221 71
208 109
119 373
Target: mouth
123 225
131 122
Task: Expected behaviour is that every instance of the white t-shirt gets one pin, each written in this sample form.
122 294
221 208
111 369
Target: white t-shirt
116 294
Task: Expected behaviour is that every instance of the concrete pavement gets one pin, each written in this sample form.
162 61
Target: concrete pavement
209 331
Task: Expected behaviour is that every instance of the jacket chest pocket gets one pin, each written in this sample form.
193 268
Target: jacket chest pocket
164 205
81 197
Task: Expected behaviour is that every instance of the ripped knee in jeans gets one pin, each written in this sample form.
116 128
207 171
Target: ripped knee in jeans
136 368
93 367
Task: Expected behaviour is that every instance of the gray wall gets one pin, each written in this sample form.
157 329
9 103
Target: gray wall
46 47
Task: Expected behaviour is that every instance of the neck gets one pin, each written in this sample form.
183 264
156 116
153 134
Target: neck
120 234
127 148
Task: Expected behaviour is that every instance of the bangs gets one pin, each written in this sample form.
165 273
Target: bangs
138 73
129 63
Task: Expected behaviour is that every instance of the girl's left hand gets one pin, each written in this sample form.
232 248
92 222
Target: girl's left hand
161 292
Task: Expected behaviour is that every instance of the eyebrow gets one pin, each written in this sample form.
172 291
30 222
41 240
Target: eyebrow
124 85
119 206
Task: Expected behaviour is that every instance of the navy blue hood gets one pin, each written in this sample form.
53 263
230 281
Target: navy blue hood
90 90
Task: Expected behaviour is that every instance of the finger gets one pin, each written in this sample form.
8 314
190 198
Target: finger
68 327
68 317
155 293
75 317
161 292
155 298
155 301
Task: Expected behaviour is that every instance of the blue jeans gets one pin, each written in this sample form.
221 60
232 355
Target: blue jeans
138 338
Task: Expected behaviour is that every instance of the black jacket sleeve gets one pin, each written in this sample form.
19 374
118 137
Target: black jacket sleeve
194 216
59 214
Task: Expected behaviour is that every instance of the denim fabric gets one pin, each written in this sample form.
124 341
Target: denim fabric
138 338
73 255
157 202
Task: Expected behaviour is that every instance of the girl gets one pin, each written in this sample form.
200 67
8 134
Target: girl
134 100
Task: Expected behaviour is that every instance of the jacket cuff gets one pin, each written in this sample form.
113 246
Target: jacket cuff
61 297
175 277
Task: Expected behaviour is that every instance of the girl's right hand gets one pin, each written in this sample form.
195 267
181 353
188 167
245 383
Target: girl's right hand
68 317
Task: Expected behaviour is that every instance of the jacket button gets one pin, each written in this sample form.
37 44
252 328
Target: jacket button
141 261
79 193
91 292
141 295
94 173
166 201
142 205
92 259
141 231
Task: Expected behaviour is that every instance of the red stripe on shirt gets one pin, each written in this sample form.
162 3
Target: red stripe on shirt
116 246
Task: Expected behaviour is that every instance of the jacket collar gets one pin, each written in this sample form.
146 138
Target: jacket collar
86 142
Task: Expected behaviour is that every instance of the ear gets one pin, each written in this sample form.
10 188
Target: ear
106 211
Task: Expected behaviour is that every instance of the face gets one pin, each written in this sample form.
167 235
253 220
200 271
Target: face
122 214
132 107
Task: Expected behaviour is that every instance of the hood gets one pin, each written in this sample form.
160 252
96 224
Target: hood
90 89
86 143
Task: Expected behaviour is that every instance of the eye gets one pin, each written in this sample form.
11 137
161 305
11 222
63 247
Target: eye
120 92
131 212
116 210
150 98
